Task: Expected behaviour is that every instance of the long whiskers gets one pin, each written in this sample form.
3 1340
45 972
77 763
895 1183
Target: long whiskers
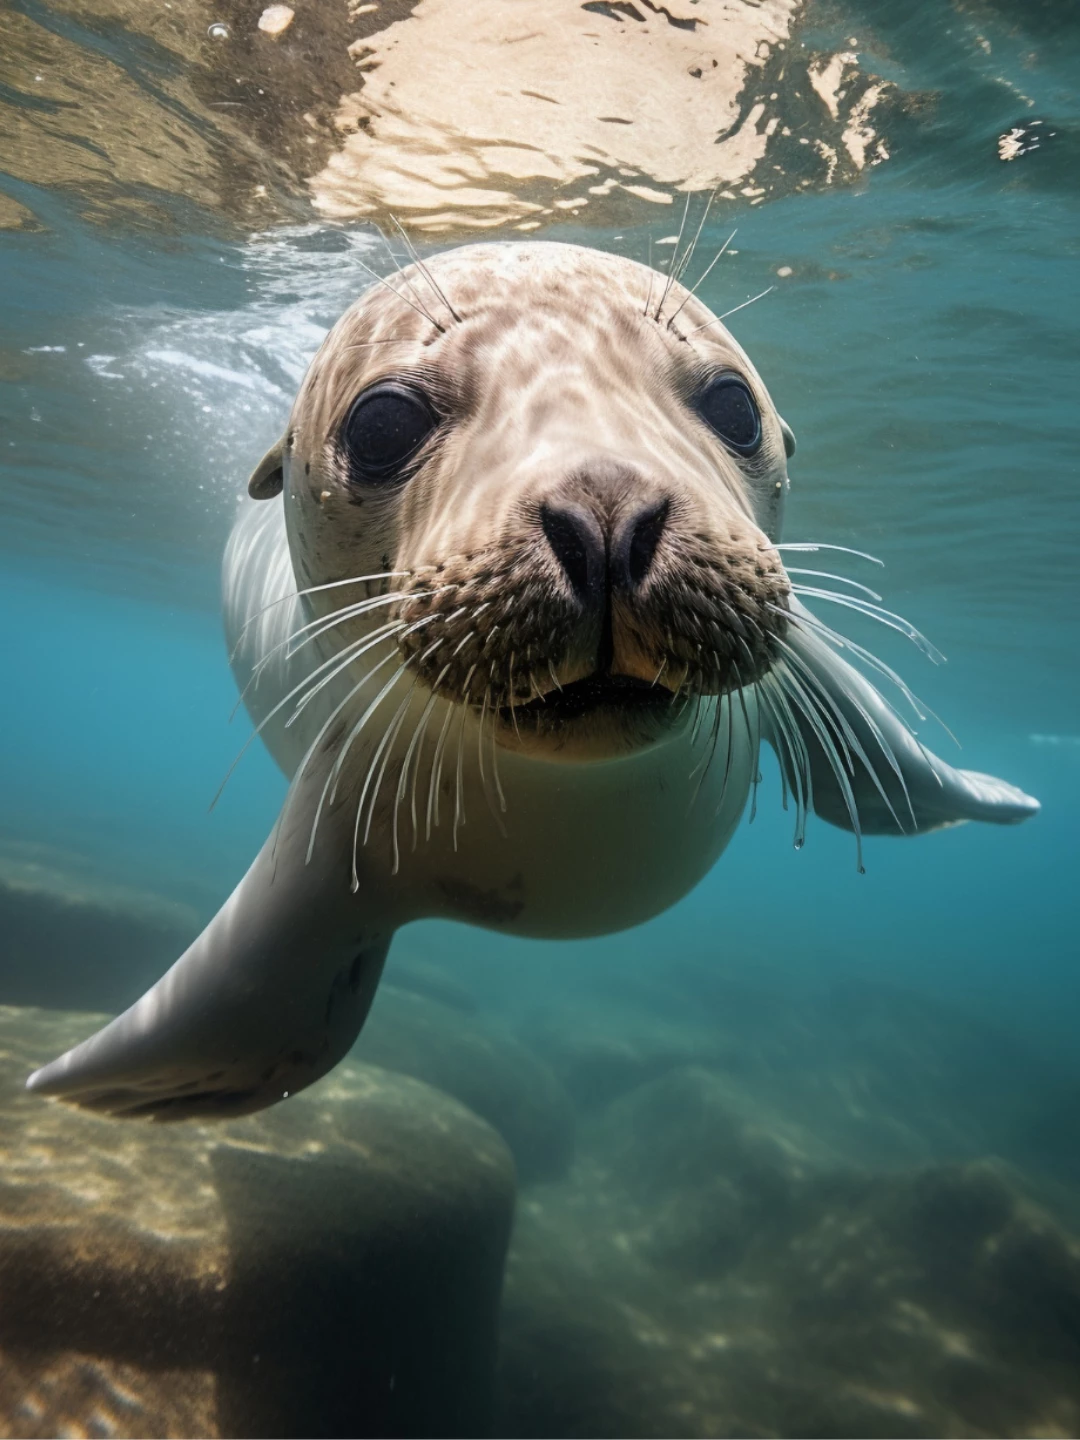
849 740
405 277
459 788
734 310
339 662
875 612
845 732
843 642
809 546
398 633
316 589
436 774
414 255
330 784
420 309
827 575
484 705
679 268
320 626
790 688
381 753
674 254
798 766
701 279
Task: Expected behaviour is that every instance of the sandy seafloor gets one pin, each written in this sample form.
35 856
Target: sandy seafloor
800 1157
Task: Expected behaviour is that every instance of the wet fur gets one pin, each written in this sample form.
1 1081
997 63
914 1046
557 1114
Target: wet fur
402 650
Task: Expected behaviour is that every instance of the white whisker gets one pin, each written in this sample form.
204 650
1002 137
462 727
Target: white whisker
795 690
387 340
351 653
382 753
480 758
703 277
755 748
436 774
415 256
318 627
424 720
734 310
510 691
843 642
405 277
495 772
875 612
330 783
688 253
316 589
671 268
459 783
412 306
795 768
399 633
827 575
812 545
851 741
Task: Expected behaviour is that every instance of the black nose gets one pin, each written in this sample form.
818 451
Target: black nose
579 545
593 559
634 545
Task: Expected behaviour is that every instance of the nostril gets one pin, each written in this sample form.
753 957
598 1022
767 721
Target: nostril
577 544
636 546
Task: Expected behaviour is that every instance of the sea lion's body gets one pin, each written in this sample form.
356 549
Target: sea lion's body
507 606
579 850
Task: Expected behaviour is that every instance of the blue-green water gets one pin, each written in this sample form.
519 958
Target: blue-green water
924 349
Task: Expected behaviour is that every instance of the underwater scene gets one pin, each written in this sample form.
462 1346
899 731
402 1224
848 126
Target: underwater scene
720 1076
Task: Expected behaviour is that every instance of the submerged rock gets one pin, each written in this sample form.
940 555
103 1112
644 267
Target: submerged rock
73 946
711 1267
689 1128
480 1065
330 1267
427 977
600 1057
701 1173
876 1074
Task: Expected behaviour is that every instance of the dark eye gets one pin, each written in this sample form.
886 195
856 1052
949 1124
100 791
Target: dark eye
384 429
728 407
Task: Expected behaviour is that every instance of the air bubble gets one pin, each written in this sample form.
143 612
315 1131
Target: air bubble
219 31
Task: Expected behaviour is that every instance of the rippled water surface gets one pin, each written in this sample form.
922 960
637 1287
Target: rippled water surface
921 339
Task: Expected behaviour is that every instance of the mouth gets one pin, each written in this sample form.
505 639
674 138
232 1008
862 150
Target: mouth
595 694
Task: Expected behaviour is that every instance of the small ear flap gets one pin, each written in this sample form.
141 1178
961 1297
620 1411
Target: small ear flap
789 437
268 477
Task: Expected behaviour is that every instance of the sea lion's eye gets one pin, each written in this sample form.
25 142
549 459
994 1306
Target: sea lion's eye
384 429
727 406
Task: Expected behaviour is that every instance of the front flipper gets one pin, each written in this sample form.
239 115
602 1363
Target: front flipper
268 999
868 772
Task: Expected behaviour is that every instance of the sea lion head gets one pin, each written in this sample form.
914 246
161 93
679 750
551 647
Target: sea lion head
566 471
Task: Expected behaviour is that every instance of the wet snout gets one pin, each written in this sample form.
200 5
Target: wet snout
599 555
611 594
604 529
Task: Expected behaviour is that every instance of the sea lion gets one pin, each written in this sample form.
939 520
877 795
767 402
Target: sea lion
508 604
